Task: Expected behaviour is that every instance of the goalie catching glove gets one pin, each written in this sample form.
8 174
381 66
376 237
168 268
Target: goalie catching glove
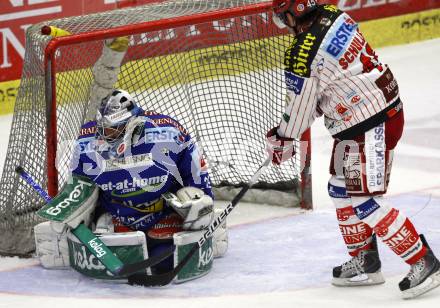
193 205
279 149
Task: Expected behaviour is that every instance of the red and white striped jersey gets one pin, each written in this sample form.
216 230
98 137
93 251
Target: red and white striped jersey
331 70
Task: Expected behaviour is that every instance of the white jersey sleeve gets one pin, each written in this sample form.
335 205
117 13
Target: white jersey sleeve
301 109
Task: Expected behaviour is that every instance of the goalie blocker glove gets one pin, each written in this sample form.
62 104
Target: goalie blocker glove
279 149
193 205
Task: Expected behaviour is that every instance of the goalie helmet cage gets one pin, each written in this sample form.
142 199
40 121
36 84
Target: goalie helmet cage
216 66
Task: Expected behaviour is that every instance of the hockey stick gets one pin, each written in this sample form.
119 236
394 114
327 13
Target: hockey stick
85 235
166 278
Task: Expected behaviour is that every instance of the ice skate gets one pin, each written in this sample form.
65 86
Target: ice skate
423 275
362 270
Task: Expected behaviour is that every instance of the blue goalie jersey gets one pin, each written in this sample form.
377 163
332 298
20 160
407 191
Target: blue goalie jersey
155 156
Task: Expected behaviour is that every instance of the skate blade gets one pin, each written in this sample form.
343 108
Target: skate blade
430 283
359 280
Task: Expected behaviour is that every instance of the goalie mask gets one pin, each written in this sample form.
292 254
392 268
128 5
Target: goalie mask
113 115
297 8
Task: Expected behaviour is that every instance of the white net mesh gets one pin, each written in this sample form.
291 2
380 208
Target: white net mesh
221 79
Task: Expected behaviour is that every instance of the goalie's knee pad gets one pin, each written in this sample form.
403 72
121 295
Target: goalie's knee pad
51 245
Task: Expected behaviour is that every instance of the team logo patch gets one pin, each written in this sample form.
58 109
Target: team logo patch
294 83
343 111
121 148
355 99
337 192
366 209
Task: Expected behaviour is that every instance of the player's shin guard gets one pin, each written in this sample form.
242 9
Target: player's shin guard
393 227
356 234
364 266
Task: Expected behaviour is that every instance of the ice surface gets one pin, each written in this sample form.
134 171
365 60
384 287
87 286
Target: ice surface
278 258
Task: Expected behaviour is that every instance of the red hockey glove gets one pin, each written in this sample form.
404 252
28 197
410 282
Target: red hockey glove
280 149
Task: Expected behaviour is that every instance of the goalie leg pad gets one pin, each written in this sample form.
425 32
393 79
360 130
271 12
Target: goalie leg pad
129 247
51 245
200 263
220 240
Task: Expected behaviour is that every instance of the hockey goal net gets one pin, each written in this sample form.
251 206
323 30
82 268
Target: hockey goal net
214 65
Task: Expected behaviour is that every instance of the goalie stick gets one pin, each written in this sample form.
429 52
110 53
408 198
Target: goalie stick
166 278
109 260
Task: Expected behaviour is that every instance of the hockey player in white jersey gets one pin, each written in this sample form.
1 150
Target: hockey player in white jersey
331 70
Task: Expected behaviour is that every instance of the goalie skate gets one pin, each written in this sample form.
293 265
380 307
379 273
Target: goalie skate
423 275
362 270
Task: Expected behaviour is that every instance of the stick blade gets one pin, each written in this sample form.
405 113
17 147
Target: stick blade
129 269
144 280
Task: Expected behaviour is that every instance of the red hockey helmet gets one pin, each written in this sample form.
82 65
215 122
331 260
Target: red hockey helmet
298 8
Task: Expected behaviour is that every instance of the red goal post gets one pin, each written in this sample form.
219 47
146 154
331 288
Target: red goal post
217 69
127 30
